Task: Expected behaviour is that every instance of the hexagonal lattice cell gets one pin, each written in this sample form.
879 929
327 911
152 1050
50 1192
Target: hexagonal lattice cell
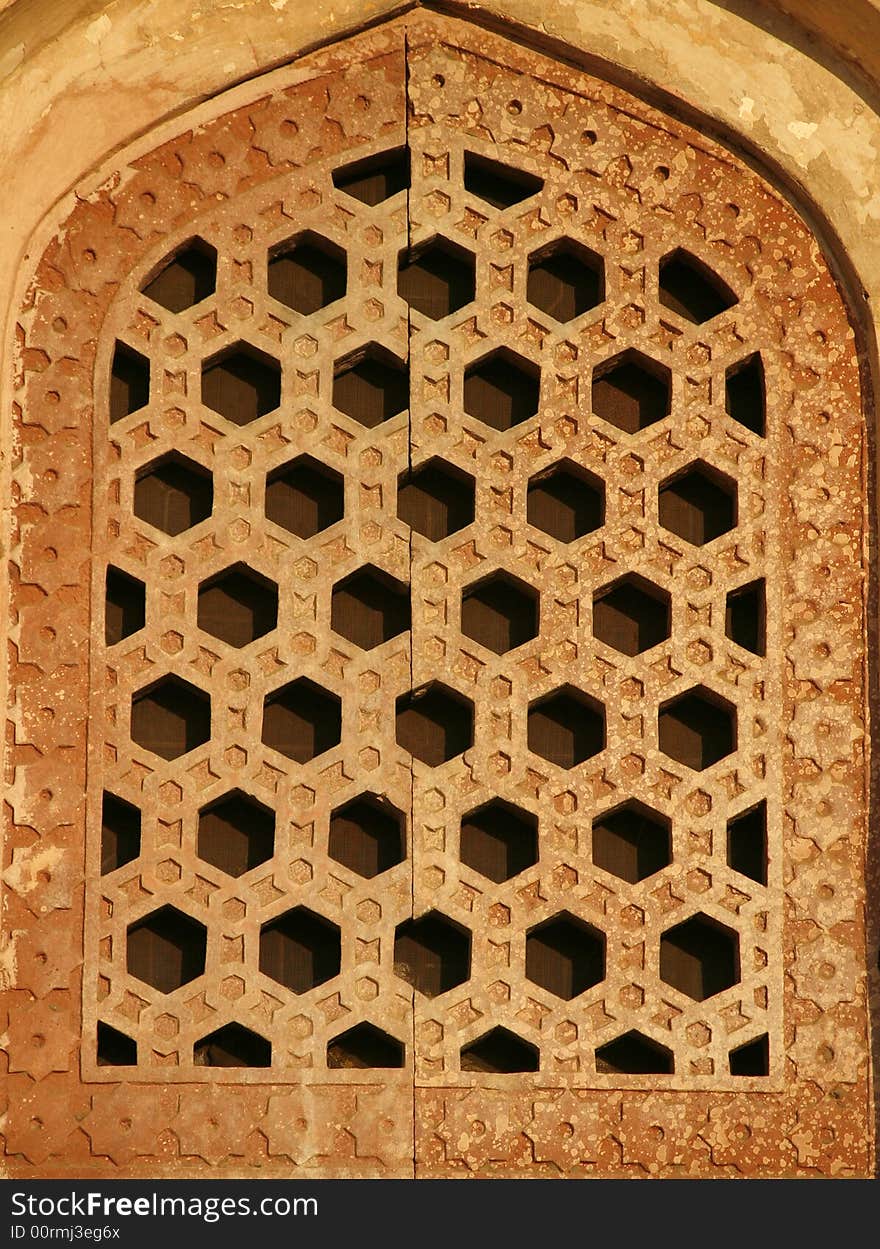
690 288
631 392
747 843
751 1059
745 618
498 184
745 394
432 953
565 279
185 278
434 723
565 956
633 1054
120 833
632 841
125 609
173 494
375 178
236 833
367 835
129 382
566 727
566 502
371 385
166 949
502 389
500 612
698 504
307 273
170 717
302 720
700 957
238 605
232 1046
369 607
500 1052
436 278
242 384
436 499
300 949
631 614
499 840
697 728
304 497
363 1047
114 1048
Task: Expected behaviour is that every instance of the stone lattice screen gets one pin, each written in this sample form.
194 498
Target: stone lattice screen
438 665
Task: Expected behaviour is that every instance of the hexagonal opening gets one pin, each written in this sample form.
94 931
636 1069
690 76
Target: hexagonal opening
371 385
745 617
120 833
565 956
369 607
432 954
751 1059
747 843
436 278
129 382
633 1054
566 502
498 184
166 949
307 273
698 504
232 1046
436 499
566 727
499 840
238 605
365 1047
434 723
500 612
693 290
500 1052
745 394
367 836
185 278
173 494
632 841
236 833
631 614
631 392
171 717
565 280
302 720
242 384
502 389
125 609
304 497
114 1048
300 950
375 179
700 957
697 728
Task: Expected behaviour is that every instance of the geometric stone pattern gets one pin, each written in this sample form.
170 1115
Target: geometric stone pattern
631 186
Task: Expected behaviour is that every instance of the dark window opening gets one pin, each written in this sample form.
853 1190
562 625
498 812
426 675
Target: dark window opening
432 954
115 1049
232 1046
436 278
631 392
173 494
243 384
499 1052
166 949
631 615
125 608
499 840
367 836
129 382
751 1059
371 386
300 950
693 290
632 842
745 619
700 957
120 833
236 833
633 1054
566 502
369 607
363 1047
746 395
566 728
697 729
436 500
171 718
302 720
565 956
500 613
502 389
375 178
304 497
434 724
498 184
186 279
747 843
308 274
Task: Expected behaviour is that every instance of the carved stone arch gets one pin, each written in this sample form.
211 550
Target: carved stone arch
622 362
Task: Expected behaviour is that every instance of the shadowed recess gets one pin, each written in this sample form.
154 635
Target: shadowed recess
238 605
173 494
300 950
566 502
304 497
371 385
171 717
500 1052
631 615
697 728
186 278
166 949
745 394
115 1049
302 720
693 290
236 833
566 727
745 618
129 382
434 724
499 840
375 178
432 954
500 612
699 504
232 1046
120 833
747 843
631 392
125 609
367 836
565 280
369 607
502 389
751 1059
242 384
308 273
565 956
498 184
634 1054
632 841
363 1047
436 499
436 278
700 957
